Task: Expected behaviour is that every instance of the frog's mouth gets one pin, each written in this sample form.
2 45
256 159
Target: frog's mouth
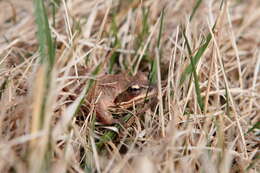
136 100
128 99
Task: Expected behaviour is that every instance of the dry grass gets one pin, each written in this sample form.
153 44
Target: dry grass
42 129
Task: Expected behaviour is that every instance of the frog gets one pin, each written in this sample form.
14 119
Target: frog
116 93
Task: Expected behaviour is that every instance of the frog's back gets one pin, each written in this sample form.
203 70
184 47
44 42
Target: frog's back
108 86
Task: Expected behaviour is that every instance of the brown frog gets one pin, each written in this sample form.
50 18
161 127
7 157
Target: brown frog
114 94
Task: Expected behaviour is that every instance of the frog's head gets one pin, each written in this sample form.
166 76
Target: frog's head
137 92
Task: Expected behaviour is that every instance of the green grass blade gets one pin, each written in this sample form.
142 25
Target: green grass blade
153 74
46 45
53 13
196 59
196 79
142 37
161 29
195 9
187 43
145 29
255 126
46 48
197 56
47 59
116 44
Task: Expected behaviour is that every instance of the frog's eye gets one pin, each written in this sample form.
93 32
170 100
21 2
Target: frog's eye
134 88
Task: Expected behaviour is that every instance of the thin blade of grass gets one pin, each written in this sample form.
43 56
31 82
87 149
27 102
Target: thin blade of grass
227 102
187 42
141 38
40 121
196 80
116 44
46 45
197 57
42 94
197 4
47 50
145 28
54 5
3 87
255 126
153 73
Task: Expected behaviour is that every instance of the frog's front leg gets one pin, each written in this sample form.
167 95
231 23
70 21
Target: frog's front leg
104 116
